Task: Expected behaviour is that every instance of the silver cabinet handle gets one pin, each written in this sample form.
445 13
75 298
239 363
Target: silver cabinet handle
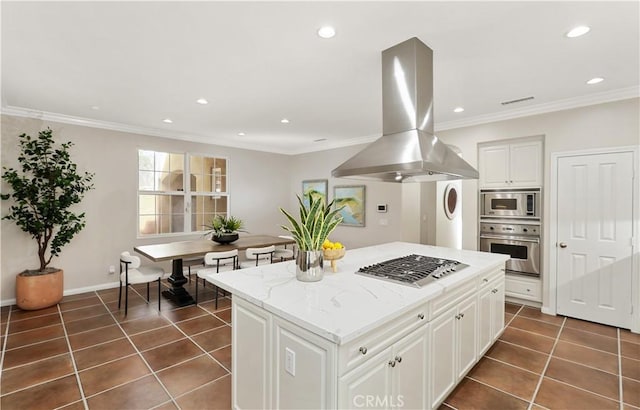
485 280
461 315
392 363
399 359
458 317
563 245
420 316
363 350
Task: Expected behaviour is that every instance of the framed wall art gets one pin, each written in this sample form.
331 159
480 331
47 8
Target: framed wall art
315 188
353 199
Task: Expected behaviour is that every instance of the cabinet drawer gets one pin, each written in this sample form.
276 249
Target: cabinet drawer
451 298
486 278
523 288
370 344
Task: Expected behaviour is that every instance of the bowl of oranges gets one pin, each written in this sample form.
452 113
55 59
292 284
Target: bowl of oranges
332 252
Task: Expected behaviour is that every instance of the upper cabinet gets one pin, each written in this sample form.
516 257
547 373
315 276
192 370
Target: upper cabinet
511 165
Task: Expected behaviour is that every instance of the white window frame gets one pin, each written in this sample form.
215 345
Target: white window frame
187 193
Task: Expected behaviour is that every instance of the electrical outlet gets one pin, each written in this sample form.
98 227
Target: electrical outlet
290 361
112 269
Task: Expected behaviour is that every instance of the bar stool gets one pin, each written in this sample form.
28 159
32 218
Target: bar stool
216 262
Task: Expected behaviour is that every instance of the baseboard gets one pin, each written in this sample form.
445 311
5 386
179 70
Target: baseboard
547 311
69 292
523 301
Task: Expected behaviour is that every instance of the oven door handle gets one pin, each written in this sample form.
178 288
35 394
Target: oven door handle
511 238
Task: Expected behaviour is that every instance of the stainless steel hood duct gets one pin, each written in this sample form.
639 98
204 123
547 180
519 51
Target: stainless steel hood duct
408 150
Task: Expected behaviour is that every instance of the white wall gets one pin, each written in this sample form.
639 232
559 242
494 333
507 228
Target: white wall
257 185
318 165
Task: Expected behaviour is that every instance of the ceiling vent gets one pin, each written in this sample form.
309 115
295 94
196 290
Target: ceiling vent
519 100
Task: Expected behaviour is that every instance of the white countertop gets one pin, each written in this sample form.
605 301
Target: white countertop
344 305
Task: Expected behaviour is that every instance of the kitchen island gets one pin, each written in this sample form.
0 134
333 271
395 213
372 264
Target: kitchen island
353 341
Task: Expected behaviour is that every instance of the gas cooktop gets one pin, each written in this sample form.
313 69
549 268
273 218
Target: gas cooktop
412 270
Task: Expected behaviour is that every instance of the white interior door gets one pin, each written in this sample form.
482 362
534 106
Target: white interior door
595 229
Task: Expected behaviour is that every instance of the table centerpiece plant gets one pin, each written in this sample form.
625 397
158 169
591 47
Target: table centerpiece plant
309 233
224 229
44 191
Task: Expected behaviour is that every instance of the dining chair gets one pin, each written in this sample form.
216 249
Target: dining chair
192 262
131 273
216 262
258 256
284 253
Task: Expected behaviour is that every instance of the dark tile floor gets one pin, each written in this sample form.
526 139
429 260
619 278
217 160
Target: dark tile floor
553 362
84 353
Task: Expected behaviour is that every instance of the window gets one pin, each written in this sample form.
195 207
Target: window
168 202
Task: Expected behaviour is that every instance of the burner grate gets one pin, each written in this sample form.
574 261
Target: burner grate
415 270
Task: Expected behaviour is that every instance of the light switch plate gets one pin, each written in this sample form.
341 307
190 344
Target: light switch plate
290 361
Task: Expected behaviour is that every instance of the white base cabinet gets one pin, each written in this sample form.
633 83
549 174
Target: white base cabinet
395 378
413 361
522 287
452 348
490 312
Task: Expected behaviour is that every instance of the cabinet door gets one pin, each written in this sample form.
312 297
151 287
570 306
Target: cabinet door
493 164
497 309
302 369
368 385
525 167
486 329
467 337
251 357
409 375
442 354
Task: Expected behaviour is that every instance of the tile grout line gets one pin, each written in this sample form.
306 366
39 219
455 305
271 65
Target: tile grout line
6 339
496 388
141 357
196 343
73 362
583 389
546 365
39 360
203 385
620 391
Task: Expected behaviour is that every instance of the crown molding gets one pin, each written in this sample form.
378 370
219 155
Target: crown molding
560 105
114 126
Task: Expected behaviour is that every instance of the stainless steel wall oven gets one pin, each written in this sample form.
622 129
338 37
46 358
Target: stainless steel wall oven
521 241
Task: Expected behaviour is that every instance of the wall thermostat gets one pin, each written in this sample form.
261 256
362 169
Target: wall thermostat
382 208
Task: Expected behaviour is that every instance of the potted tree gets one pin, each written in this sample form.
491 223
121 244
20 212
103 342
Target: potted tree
45 189
224 229
310 232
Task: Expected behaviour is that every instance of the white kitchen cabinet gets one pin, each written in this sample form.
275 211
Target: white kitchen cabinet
251 356
396 377
297 357
490 312
277 364
523 287
452 349
513 165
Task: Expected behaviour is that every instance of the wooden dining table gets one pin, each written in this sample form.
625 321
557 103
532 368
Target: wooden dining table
177 251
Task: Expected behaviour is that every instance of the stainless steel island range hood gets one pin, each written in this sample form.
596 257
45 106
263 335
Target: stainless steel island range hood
408 150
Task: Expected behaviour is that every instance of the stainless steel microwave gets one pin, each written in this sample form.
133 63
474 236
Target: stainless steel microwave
511 203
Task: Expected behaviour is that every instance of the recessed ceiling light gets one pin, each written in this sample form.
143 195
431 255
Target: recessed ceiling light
578 31
284 121
95 107
595 80
202 101
168 121
458 109
326 32
242 134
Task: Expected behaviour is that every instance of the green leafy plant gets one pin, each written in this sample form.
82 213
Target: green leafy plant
43 193
315 224
221 224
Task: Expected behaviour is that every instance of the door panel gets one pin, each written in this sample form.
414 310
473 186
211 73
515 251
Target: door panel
595 197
